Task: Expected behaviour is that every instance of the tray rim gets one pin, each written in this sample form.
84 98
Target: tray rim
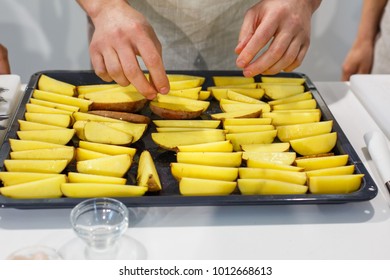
367 192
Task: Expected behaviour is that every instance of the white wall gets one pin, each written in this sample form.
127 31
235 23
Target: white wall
52 35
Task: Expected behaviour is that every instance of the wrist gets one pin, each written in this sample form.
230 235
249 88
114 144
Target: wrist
96 7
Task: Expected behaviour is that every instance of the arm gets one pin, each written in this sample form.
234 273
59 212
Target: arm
4 64
285 22
360 57
121 34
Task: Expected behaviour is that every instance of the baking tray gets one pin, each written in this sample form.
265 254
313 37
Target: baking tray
170 195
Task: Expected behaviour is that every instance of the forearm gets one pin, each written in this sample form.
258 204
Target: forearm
95 7
370 20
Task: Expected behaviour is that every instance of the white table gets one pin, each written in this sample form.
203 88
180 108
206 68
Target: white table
346 231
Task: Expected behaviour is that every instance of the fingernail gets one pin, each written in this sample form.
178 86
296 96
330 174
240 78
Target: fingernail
164 90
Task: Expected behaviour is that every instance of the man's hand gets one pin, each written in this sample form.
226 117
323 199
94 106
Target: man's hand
121 34
4 63
285 25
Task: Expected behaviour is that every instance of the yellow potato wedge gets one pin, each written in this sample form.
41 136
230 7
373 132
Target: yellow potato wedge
271 165
269 187
15 178
272 147
293 117
246 121
264 107
84 154
83 104
147 175
262 137
272 174
282 80
192 93
187 123
27 125
115 166
74 177
83 89
107 149
338 184
314 145
44 188
305 104
307 95
65 152
219 146
210 158
183 101
248 128
341 170
251 113
287 133
54 105
173 111
314 163
60 120
47 83
276 91
35 165
101 133
286 158
56 136
180 170
23 145
205 187
87 190
35 108
232 80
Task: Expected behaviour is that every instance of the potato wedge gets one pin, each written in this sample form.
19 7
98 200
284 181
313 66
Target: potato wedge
117 101
293 117
35 165
84 154
44 188
60 120
287 133
107 149
272 165
248 128
286 158
314 163
23 145
262 137
65 152
272 147
282 80
314 145
115 166
87 190
183 101
47 83
205 187
123 116
83 89
219 146
54 105
277 91
27 125
338 184
56 136
210 158
232 80
74 177
252 113
341 170
173 111
180 170
272 174
192 93
147 175
14 178
187 123
83 104
264 107
246 121
101 133
269 187
36 108
304 104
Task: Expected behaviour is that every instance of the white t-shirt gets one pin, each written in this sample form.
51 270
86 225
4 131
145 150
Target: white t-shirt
381 63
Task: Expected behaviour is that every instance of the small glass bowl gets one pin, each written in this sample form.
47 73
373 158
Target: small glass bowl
100 222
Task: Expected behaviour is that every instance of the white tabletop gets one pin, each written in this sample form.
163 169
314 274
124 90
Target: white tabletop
344 231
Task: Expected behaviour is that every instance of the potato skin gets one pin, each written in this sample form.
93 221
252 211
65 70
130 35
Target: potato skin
124 116
130 107
171 114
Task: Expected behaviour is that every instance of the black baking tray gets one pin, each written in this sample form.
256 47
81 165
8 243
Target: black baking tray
170 195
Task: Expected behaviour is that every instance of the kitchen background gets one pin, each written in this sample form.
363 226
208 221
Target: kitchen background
52 35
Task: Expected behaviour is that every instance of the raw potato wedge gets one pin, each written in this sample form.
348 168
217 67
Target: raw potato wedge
272 147
57 136
219 146
272 174
314 163
247 121
23 145
294 98
54 105
147 175
35 108
272 165
107 149
269 187
27 125
115 166
293 117
192 93
187 123
251 113
183 101
232 80
305 104
65 152
210 158
117 101
137 130
180 170
287 133
338 184
341 170
314 145
173 111
51 119
244 106
170 140
35 165
282 80
87 190
44 188
101 133
262 137
248 128
74 177
83 89
205 187
123 116
15 178
83 104
84 154
277 91
81 116
47 83
286 158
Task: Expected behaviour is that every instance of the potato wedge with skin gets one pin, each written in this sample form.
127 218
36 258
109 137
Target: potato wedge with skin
184 101
27 125
278 91
286 158
338 184
54 105
341 170
35 108
56 136
87 190
287 133
248 128
107 149
23 145
288 118
232 80
232 95
15 178
101 133
115 166
51 119
272 174
314 163
282 80
117 101
35 165
188 123
210 158
307 95
82 116
137 130
305 104
84 154
219 146
262 137
123 116
269 187
83 89
180 170
254 113
83 104
65 152
272 147
205 187
175 111
147 175
170 140
47 83
314 145
246 121
271 165
44 188
74 177
264 107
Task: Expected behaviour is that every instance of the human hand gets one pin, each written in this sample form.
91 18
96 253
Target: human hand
287 23
121 34
4 63
359 60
